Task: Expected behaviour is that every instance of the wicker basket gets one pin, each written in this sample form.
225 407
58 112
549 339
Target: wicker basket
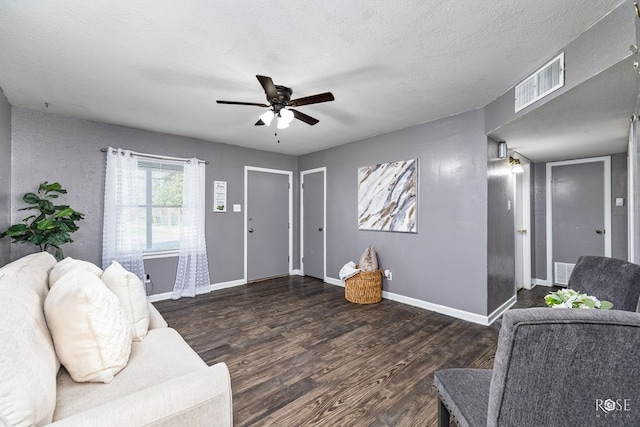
364 288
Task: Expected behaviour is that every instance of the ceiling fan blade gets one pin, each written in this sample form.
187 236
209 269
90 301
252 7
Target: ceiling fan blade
259 123
313 99
268 86
305 118
242 103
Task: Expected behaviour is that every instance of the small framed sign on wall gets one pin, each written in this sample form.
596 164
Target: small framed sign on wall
387 197
219 196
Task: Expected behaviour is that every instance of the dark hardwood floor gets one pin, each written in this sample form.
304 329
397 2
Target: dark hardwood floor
300 354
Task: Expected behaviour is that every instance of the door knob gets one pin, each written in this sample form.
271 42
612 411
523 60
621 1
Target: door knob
320 229
250 230
599 231
522 231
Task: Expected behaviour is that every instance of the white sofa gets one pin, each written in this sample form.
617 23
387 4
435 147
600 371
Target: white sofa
165 383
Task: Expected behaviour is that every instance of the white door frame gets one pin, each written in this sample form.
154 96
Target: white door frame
324 225
632 166
524 191
248 169
606 202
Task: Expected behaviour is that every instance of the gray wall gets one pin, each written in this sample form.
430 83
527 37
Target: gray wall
56 148
619 226
600 47
500 227
445 262
5 176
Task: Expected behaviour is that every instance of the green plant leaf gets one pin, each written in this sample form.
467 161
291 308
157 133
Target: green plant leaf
606 305
31 198
47 224
66 211
46 207
53 187
16 229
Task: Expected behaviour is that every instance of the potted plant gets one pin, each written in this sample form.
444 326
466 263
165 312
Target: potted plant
51 225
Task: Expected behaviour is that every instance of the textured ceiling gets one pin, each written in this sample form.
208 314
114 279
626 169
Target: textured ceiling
160 65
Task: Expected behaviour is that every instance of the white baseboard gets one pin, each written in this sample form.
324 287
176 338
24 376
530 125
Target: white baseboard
442 309
296 272
500 310
230 284
541 282
159 297
214 287
333 281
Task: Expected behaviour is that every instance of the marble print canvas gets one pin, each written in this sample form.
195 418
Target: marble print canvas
387 196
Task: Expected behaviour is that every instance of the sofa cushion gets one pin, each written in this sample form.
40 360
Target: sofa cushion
162 356
28 363
155 318
132 296
90 331
69 264
33 271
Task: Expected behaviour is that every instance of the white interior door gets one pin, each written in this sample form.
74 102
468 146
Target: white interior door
268 234
313 227
523 225
578 214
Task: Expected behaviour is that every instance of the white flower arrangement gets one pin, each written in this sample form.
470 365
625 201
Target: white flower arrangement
568 298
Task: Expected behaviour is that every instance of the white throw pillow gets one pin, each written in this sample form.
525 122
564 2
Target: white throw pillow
133 298
90 331
68 264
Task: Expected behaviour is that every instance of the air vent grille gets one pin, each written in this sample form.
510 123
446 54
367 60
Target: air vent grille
541 83
563 271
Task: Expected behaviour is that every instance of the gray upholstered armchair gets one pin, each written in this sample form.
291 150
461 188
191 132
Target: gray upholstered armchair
608 279
553 367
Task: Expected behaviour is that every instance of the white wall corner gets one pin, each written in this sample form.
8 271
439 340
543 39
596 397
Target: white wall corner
500 310
541 282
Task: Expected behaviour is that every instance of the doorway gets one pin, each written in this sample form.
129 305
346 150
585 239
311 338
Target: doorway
268 213
522 192
578 214
313 209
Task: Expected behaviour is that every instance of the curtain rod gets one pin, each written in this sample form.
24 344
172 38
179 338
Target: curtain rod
156 156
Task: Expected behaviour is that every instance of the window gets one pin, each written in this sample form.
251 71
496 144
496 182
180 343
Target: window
163 184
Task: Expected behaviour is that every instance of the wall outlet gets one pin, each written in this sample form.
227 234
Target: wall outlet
388 274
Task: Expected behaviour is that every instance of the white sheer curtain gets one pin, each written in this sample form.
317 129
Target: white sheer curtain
192 277
123 233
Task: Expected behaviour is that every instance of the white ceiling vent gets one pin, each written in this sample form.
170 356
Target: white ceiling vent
541 83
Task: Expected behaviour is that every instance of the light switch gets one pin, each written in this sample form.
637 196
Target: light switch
509 205
619 201
237 208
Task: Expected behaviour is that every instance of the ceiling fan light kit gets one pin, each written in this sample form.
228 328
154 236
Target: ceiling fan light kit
279 98
266 117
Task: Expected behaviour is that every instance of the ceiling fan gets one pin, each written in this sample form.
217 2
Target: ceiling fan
279 99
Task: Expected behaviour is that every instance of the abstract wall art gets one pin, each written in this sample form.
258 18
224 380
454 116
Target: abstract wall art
388 196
